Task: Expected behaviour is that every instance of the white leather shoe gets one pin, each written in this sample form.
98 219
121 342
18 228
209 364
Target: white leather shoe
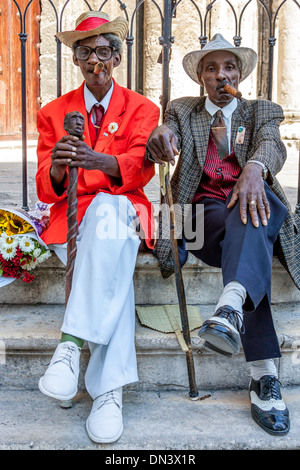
60 380
105 423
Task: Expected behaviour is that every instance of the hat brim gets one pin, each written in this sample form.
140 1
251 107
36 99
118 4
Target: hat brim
247 56
118 26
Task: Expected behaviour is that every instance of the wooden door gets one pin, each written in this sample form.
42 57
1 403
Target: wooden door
10 67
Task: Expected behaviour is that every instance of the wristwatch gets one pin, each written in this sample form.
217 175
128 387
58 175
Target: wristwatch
264 168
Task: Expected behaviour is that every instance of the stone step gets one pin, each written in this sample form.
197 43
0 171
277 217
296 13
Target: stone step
30 333
203 284
160 425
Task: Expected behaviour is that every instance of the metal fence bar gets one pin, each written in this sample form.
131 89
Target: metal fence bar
23 38
297 210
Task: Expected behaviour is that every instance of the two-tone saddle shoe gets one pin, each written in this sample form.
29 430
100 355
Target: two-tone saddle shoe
267 406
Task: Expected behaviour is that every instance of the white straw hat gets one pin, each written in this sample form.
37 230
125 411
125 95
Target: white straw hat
247 56
93 23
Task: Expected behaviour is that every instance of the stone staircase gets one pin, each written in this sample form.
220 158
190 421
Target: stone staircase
157 408
158 414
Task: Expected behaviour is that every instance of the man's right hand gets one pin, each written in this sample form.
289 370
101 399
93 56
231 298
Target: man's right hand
61 156
162 144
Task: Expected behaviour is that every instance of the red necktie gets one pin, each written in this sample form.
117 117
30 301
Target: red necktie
95 128
219 134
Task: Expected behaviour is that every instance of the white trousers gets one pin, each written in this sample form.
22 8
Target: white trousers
101 306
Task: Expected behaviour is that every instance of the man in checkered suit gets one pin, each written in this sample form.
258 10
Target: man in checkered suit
229 169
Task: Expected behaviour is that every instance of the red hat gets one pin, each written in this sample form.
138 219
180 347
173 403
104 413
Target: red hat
93 23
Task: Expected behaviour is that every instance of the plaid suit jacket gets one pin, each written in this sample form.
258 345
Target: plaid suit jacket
190 122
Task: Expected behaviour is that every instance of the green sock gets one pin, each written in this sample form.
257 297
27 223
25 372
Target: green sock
65 337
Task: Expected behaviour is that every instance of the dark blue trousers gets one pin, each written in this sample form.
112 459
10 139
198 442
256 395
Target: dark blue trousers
245 254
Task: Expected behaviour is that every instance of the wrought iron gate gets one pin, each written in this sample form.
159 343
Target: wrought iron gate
167 10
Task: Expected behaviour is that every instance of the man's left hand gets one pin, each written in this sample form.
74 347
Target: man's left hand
250 191
85 157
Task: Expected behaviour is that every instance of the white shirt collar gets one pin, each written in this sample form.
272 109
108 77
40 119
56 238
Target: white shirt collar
227 110
90 100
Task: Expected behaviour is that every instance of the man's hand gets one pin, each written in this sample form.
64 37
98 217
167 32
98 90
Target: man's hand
72 151
162 145
85 157
249 190
61 156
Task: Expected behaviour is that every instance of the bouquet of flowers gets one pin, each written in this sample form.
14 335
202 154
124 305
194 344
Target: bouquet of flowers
21 248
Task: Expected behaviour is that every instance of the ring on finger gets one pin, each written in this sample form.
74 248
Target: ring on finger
252 203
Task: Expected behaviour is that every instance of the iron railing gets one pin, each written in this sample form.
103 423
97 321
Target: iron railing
166 40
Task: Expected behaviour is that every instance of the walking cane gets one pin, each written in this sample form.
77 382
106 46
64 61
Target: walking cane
166 191
74 125
72 228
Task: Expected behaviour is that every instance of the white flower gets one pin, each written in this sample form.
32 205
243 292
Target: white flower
7 241
26 244
29 265
43 256
113 127
37 252
8 252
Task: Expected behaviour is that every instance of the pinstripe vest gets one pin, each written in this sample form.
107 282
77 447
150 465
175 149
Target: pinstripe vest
219 176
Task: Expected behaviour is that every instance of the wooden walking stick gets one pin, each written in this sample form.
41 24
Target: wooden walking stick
74 125
166 190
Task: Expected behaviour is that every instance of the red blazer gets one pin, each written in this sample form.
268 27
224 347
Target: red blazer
136 117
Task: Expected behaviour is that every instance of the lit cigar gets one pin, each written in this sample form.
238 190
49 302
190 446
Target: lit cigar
230 89
98 68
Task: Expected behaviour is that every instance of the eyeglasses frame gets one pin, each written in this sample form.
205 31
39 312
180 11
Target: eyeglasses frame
94 50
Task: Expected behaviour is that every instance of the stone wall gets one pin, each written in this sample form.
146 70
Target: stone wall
287 91
186 31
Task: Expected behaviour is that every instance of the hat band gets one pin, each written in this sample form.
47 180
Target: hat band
90 23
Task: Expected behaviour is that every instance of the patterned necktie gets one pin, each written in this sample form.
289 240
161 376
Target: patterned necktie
219 134
99 112
94 129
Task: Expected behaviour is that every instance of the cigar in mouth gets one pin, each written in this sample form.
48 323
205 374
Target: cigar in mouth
229 89
98 68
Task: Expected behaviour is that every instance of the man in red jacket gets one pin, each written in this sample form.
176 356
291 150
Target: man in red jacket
112 172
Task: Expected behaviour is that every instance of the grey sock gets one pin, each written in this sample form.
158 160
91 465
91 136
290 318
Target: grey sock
263 367
234 295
